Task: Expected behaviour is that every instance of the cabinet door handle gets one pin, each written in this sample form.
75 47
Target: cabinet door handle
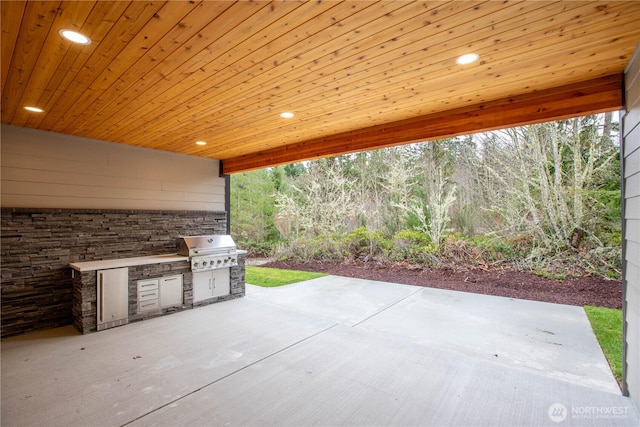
170 278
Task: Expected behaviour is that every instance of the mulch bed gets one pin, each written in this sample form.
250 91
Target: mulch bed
503 281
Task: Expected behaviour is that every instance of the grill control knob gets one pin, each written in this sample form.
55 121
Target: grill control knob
204 263
196 264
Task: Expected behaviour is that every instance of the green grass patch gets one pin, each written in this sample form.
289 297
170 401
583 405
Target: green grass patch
272 277
607 325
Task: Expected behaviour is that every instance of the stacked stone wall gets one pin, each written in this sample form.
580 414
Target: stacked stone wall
37 246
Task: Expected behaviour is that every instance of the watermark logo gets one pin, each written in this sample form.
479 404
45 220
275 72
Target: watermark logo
557 412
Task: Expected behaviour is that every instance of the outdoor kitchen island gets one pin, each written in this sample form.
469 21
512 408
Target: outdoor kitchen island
109 293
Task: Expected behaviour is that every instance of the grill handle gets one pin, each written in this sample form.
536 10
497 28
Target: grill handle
205 251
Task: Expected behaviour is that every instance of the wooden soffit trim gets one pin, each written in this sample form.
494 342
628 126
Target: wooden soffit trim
583 98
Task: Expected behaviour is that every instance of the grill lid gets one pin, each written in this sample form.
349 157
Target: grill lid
206 245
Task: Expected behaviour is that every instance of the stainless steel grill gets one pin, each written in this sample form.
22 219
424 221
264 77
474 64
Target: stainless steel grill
209 252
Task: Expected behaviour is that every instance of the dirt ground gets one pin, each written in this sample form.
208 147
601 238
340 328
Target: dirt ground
506 282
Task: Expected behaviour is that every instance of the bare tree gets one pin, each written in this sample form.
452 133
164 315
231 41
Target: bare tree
542 176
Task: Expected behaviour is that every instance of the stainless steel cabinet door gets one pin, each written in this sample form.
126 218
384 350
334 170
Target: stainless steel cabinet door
202 285
171 291
209 284
113 297
221 282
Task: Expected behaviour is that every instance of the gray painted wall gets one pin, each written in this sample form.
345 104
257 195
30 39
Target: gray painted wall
631 268
52 170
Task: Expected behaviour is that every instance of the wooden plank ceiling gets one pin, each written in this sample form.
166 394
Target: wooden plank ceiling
356 74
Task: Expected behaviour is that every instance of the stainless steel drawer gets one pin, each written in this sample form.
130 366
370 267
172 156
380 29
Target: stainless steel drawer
147 285
147 295
148 305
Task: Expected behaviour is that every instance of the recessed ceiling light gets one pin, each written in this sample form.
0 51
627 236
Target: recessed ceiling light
201 143
34 109
286 115
75 36
467 58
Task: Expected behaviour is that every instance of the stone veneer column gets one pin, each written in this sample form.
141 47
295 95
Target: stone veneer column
83 307
237 277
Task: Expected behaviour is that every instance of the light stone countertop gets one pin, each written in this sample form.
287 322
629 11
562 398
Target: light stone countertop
127 262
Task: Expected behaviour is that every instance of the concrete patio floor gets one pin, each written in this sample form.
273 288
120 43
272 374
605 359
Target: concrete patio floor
331 351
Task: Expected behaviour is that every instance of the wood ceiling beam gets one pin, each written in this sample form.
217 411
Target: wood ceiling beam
583 98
